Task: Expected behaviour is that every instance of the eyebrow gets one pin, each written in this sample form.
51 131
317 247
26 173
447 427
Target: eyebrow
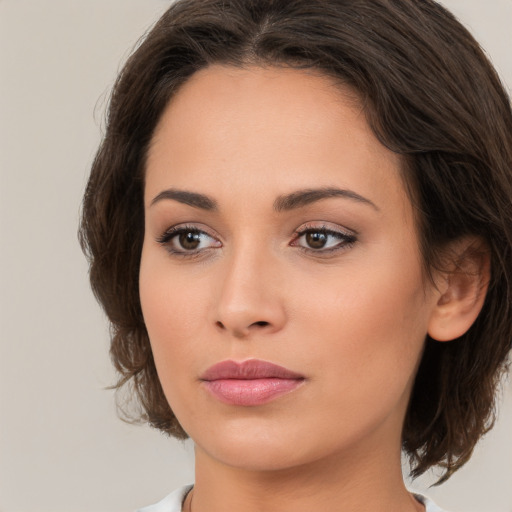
189 198
307 196
286 202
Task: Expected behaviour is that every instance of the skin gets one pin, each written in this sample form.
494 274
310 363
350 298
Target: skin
352 320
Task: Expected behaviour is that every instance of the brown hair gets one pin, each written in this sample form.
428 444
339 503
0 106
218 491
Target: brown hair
430 94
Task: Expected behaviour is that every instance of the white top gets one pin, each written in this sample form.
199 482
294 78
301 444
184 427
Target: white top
173 502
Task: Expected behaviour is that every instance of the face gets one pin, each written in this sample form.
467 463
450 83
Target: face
281 281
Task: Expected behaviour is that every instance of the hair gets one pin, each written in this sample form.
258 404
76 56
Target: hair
429 94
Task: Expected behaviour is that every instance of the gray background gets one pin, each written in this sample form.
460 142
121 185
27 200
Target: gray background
62 449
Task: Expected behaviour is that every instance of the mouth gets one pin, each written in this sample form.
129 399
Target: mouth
249 383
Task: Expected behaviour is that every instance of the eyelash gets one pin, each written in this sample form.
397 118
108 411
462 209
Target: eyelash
346 240
174 232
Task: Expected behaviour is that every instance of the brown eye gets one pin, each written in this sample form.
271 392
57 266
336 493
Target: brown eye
185 240
323 240
189 240
316 239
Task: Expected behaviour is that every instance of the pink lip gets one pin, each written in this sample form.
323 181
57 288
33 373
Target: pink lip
249 383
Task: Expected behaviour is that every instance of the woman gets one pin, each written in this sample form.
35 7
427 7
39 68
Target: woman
300 226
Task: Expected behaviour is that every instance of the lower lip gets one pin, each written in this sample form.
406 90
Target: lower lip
251 392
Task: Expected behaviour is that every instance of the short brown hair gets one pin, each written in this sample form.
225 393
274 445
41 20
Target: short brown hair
429 93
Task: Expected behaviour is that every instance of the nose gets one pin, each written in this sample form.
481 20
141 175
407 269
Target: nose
250 299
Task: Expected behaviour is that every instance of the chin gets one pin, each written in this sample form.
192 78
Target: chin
251 449
256 457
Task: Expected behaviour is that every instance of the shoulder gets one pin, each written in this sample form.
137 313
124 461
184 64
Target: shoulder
430 506
171 503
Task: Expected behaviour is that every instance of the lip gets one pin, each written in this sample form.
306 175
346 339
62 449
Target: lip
249 383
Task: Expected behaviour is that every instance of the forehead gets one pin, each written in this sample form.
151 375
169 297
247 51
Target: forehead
268 130
262 100
303 89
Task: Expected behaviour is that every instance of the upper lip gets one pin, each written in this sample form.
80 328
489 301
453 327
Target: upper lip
248 370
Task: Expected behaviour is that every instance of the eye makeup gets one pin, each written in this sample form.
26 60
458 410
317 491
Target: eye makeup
322 239
187 240
318 238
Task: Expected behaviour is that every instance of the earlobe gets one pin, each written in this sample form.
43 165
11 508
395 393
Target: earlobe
462 292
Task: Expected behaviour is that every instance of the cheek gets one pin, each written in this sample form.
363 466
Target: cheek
172 306
368 327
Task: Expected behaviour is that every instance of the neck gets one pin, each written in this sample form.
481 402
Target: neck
370 482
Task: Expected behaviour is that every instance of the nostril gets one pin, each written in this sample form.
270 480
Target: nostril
243 329
261 323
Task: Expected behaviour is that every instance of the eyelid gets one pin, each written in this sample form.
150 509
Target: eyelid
347 237
325 226
172 232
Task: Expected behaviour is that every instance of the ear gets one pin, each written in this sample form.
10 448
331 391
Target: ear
462 286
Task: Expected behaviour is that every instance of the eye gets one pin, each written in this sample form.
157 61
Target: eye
323 239
187 240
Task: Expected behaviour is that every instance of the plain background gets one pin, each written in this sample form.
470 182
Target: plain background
62 448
